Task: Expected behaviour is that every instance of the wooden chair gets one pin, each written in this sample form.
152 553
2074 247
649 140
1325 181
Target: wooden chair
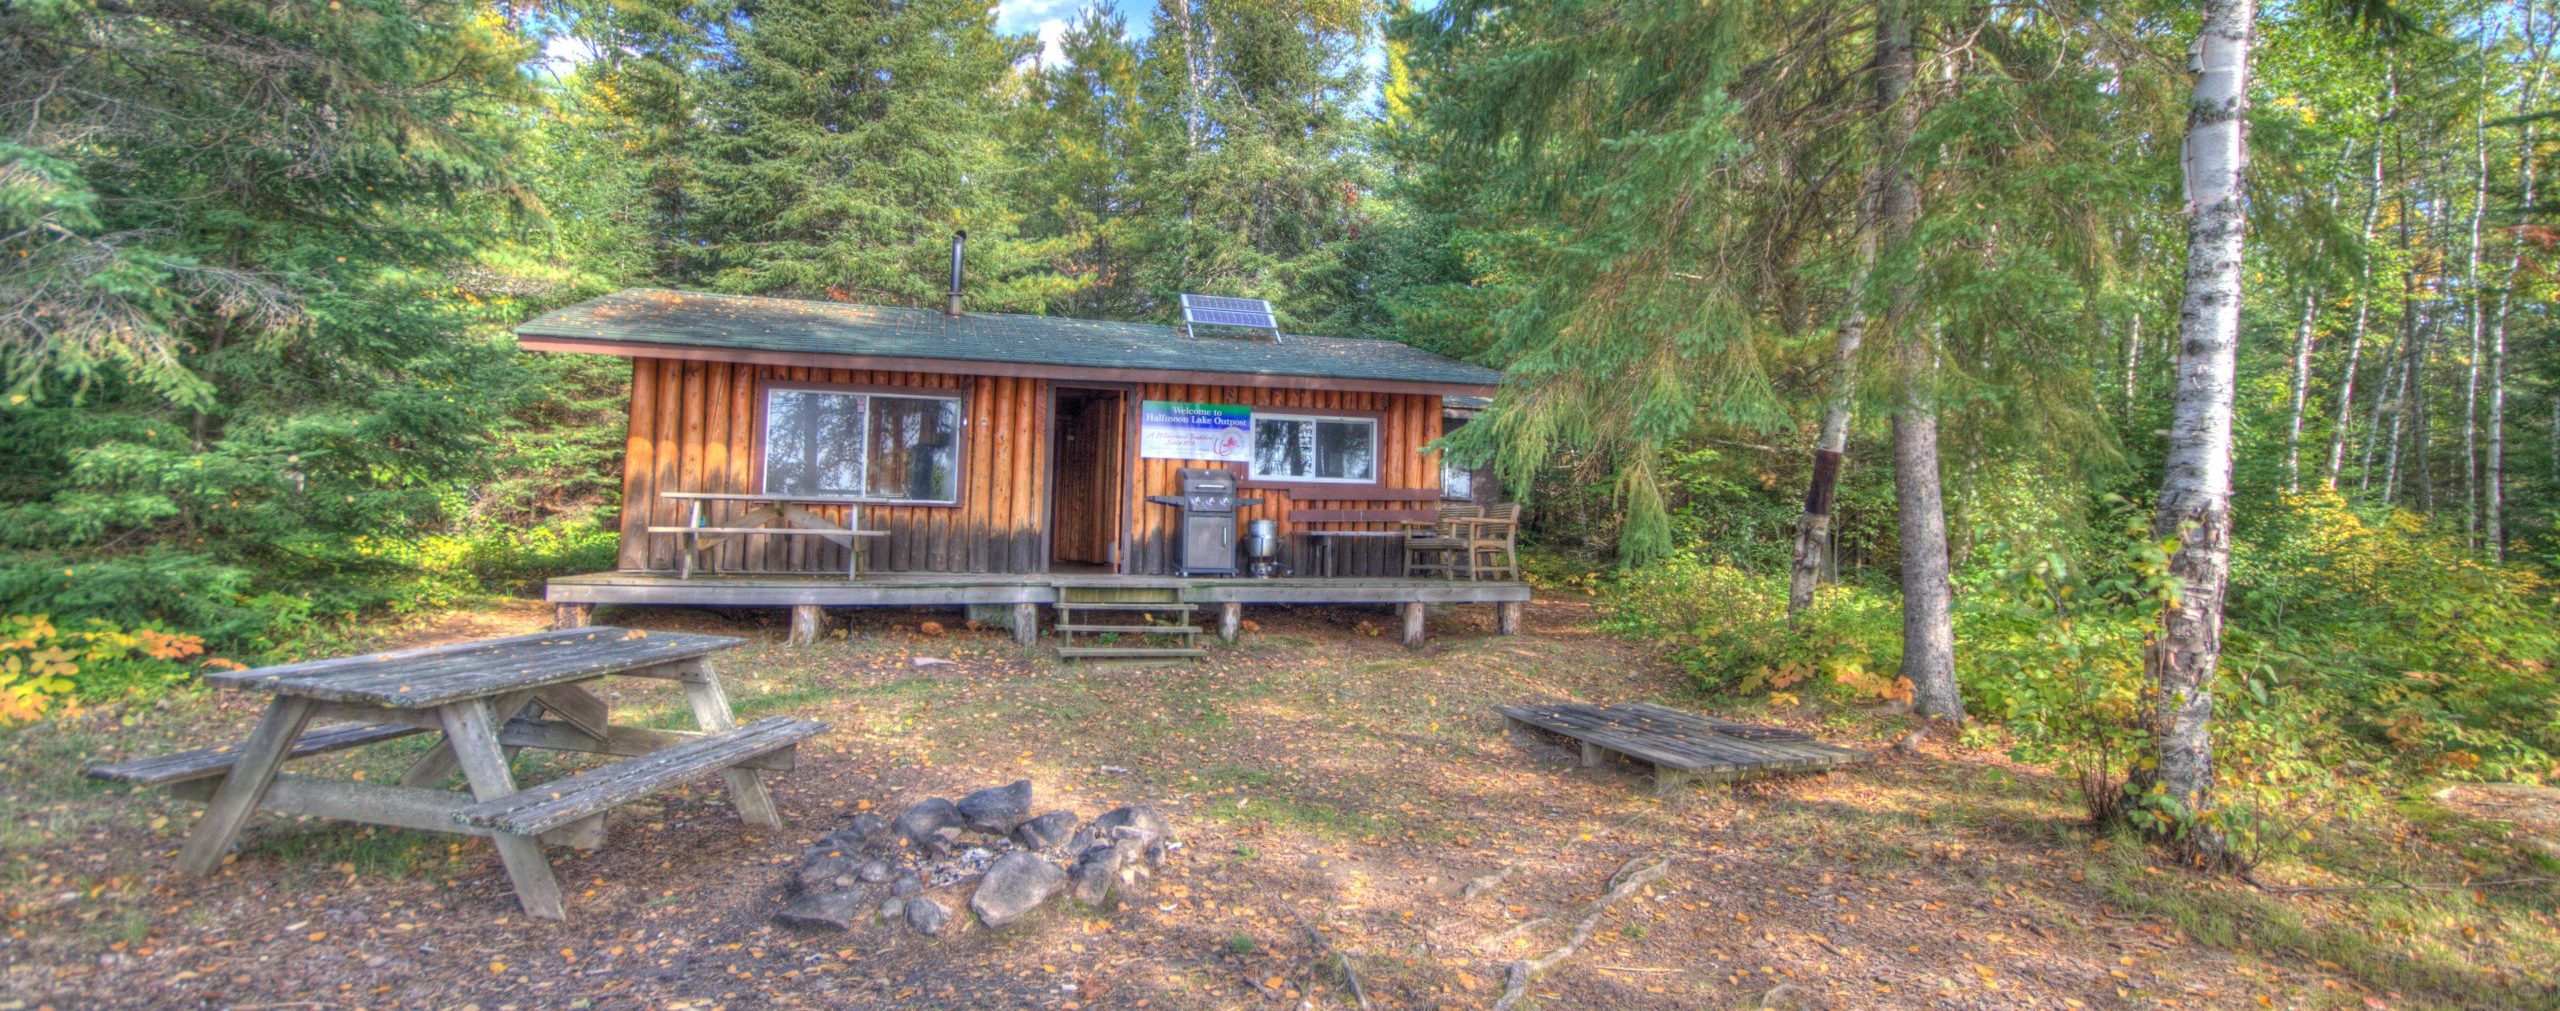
1437 549
1493 542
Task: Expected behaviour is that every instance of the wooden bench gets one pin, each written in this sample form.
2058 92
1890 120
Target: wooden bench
1680 746
543 808
1407 519
771 515
208 763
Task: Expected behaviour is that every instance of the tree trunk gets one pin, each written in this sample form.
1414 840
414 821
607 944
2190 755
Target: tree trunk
2132 364
2301 389
2493 507
1928 629
2382 402
2471 365
2195 493
2364 293
1813 528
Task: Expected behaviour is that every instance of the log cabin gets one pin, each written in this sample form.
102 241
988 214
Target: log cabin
1004 462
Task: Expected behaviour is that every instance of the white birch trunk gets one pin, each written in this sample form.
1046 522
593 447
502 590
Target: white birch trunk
2195 493
2364 292
2471 366
2132 363
2493 508
1813 528
2301 389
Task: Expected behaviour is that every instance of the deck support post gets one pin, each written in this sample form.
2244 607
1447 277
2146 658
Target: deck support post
807 622
1506 617
1413 614
1026 624
571 615
1230 621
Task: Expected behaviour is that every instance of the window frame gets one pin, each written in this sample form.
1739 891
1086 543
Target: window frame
958 398
1377 463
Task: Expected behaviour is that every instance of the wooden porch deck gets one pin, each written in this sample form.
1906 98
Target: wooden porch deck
1025 593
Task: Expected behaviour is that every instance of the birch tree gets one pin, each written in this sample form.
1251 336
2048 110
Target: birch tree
2195 493
2493 506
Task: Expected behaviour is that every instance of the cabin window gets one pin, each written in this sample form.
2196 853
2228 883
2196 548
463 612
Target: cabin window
1457 483
1293 448
840 444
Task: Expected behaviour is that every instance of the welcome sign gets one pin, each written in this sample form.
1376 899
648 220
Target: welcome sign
1177 430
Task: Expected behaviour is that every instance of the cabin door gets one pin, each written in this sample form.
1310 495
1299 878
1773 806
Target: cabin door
1090 428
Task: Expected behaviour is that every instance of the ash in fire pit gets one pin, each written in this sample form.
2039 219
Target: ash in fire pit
987 847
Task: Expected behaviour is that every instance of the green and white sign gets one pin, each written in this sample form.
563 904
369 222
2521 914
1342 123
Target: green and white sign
1176 430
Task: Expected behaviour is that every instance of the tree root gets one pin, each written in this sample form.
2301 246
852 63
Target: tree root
1630 879
1343 962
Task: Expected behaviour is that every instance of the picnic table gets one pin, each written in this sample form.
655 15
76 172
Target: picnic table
488 700
772 516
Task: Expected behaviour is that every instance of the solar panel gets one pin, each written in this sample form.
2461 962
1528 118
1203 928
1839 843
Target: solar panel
1222 311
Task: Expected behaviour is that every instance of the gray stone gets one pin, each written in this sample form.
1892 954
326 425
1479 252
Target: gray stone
892 908
823 911
1786 997
996 810
1047 832
927 916
875 871
824 874
865 827
926 823
909 886
1127 822
1096 870
1016 885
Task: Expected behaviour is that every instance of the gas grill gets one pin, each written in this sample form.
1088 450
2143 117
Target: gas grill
1208 530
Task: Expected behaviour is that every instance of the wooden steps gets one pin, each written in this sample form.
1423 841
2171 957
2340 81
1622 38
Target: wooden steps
1680 745
538 809
1159 612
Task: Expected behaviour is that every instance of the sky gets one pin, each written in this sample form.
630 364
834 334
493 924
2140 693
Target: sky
1049 18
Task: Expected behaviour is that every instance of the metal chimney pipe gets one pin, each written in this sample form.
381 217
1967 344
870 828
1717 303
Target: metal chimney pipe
959 242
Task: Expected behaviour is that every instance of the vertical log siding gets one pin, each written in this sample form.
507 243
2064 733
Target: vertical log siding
694 427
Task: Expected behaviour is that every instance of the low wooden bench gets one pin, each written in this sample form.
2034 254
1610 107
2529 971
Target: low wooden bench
1408 519
211 763
560 802
1680 746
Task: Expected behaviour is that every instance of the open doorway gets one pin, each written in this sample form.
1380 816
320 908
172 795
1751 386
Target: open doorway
1084 516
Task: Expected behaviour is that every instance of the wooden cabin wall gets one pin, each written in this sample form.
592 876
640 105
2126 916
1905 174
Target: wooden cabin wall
1407 422
693 428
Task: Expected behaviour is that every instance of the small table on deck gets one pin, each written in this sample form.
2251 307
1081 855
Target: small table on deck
486 699
773 515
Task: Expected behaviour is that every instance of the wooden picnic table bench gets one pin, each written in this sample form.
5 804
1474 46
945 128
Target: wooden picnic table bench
487 699
772 516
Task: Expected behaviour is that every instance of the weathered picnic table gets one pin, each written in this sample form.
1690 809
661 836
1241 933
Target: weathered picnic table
488 699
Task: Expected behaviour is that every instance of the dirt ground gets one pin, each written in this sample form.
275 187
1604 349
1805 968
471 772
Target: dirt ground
1335 794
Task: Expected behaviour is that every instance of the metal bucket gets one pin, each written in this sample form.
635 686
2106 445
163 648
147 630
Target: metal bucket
1262 540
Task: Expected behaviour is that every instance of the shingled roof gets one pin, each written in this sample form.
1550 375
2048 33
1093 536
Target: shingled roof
738 327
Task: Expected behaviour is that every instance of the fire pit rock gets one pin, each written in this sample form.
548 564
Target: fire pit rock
997 809
1014 887
913 870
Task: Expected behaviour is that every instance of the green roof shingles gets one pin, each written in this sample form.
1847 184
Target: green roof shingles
798 326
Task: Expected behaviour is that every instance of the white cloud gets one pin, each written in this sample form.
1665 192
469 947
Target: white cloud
1053 35
563 54
1019 16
